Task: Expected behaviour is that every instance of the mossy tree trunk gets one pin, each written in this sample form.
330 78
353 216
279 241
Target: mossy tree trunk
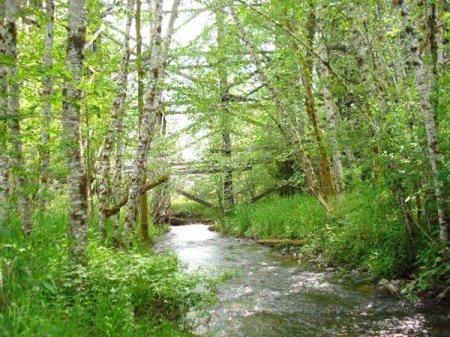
47 105
425 80
117 115
13 115
77 177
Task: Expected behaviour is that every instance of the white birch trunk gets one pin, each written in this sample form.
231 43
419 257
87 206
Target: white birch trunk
424 78
17 160
152 103
4 185
118 110
47 106
77 178
332 121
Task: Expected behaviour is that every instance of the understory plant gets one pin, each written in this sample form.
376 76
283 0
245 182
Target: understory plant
117 293
364 230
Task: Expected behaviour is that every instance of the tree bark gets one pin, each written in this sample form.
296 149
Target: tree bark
118 110
47 105
17 160
4 183
161 196
148 121
147 187
161 200
424 83
332 120
152 104
77 177
143 198
228 196
373 97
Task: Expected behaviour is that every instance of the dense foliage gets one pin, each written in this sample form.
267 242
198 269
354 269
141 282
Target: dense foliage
132 293
111 110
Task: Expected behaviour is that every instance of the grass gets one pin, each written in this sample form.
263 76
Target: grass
365 231
119 293
280 218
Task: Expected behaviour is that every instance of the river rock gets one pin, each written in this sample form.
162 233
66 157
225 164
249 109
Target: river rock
354 274
388 289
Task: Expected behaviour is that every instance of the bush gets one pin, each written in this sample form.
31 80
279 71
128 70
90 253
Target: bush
116 294
282 218
365 230
433 279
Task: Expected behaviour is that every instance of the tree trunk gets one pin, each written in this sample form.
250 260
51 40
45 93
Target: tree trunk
306 64
117 182
4 184
228 197
17 160
47 105
332 120
200 201
373 97
149 115
143 198
77 178
161 200
423 76
148 121
118 110
161 196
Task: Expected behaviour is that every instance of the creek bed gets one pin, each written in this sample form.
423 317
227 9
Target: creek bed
272 296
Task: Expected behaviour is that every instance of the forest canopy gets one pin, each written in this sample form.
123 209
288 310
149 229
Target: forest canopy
111 111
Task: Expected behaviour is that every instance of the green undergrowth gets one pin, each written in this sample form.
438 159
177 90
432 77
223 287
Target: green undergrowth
118 293
280 218
365 231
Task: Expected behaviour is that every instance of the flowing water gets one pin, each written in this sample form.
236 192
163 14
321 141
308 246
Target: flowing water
272 296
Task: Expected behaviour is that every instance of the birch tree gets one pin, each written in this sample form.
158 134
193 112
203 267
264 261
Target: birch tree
13 115
332 119
77 177
155 76
425 82
47 105
3 113
115 123
225 117
4 184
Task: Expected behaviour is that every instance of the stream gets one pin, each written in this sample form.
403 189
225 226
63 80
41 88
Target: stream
272 296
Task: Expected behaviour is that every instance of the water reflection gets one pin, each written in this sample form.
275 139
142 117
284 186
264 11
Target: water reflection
273 297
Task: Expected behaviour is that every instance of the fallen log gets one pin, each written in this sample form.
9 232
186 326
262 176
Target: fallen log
266 193
200 201
281 242
152 184
175 221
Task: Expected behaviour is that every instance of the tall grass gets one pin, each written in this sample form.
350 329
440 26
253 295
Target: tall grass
128 293
283 218
364 231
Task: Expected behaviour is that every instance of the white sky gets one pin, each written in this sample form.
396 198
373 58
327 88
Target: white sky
190 30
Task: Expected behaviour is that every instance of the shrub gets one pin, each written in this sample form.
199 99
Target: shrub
283 218
128 293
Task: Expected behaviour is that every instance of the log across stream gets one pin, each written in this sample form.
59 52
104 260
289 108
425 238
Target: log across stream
272 296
